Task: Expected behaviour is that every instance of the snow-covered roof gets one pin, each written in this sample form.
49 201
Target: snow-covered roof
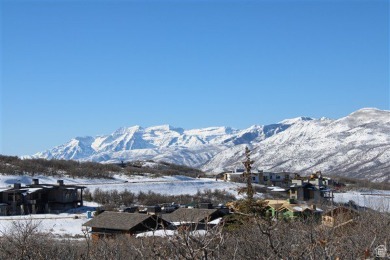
235 173
157 233
215 221
166 233
276 188
32 190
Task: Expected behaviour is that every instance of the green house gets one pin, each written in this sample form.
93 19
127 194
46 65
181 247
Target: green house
290 209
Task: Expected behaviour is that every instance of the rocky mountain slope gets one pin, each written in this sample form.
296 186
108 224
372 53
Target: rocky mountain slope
357 145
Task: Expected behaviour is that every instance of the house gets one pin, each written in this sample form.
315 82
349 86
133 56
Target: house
339 217
275 178
108 224
63 197
238 175
313 188
40 198
3 209
304 192
193 218
303 211
290 209
273 206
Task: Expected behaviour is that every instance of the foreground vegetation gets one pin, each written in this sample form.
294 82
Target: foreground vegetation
253 238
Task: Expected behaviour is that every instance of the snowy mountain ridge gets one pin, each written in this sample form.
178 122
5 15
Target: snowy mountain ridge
357 145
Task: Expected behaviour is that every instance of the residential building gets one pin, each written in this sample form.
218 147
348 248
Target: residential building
311 188
40 198
193 218
291 209
275 178
108 224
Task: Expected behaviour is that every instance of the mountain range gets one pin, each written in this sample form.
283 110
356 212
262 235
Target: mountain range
357 145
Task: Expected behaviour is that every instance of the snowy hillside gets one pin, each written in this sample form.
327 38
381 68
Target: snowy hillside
357 145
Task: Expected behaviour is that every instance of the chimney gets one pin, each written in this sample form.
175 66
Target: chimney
313 207
35 181
17 185
60 182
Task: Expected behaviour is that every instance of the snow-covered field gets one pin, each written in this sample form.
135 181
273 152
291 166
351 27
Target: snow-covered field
173 185
70 224
378 200
58 225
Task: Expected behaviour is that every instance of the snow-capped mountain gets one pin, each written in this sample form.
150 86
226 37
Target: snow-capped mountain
357 145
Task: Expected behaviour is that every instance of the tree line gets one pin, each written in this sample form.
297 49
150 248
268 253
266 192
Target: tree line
113 199
13 165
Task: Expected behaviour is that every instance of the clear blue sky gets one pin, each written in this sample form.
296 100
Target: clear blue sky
76 68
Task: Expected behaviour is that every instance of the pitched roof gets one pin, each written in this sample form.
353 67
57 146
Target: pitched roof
299 208
190 215
117 220
275 204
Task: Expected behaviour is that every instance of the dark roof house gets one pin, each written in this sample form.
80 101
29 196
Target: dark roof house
192 215
41 198
109 223
193 218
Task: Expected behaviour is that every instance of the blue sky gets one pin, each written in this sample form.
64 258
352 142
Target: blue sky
76 68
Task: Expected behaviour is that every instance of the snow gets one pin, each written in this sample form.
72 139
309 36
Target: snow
32 190
70 223
276 188
377 200
167 233
292 121
171 185
357 145
215 221
59 225
65 224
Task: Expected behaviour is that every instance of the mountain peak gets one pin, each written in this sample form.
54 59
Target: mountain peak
368 115
165 128
125 130
295 120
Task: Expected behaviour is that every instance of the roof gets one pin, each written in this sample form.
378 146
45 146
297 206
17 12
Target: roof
188 215
32 190
56 186
117 220
299 208
235 173
276 188
275 204
166 233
